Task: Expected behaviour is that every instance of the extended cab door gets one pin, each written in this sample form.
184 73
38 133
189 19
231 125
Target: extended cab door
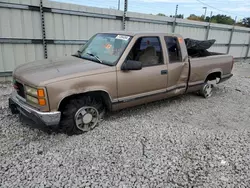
178 67
151 79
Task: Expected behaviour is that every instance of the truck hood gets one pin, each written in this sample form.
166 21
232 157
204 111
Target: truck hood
46 71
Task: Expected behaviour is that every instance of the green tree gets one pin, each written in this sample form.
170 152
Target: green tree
194 17
246 22
222 19
177 16
207 19
160 14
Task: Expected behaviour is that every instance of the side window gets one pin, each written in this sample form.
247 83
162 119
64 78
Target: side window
152 41
148 51
173 47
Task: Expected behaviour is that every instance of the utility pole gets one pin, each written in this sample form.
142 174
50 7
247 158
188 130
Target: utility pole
205 12
211 14
119 1
125 14
235 20
174 23
43 30
231 35
208 27
176 10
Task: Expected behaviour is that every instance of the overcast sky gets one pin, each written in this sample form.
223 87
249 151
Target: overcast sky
239 8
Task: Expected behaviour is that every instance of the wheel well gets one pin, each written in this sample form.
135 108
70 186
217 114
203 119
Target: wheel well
213 76
96 94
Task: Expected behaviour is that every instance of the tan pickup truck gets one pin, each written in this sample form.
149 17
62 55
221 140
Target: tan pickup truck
112 71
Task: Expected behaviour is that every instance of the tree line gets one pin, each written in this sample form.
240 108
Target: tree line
219 18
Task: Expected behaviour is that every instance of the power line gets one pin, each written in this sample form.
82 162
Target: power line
137 8
219 9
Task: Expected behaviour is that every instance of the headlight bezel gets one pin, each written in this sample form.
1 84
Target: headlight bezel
36 95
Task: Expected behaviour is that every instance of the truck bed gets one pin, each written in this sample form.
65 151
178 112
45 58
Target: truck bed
203 66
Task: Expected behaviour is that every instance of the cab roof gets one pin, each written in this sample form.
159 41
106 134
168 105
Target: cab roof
134 33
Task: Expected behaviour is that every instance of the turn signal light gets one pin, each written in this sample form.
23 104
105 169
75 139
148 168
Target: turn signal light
42 102
40 93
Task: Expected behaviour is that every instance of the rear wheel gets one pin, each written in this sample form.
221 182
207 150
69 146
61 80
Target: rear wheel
206 90
81 115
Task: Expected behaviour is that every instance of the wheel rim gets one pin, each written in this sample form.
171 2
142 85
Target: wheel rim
207 90
86 118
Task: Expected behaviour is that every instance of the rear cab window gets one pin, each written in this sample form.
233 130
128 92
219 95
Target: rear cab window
173 49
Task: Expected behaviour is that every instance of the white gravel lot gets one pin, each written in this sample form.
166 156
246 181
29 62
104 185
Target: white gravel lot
183 142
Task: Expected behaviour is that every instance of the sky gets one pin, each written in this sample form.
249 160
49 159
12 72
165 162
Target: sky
233 8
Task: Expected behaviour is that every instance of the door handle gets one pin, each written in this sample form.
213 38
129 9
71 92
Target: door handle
164 71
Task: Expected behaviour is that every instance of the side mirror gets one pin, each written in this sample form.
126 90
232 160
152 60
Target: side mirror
131 65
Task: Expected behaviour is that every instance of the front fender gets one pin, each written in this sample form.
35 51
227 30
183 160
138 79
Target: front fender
88 90
100 82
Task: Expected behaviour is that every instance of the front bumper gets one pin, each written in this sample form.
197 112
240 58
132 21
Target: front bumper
41 118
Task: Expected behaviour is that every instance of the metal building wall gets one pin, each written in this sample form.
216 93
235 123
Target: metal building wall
191 29
75 27
144 22
222 35
67 26
16 23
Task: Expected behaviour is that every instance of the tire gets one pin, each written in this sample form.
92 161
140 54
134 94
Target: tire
206 90
78 114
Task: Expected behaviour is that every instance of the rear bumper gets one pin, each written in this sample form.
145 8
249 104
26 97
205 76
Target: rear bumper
225 77
40 118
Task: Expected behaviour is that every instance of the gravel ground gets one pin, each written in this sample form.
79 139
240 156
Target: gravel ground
183 142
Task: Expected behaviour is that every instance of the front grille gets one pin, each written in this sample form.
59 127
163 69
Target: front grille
20 89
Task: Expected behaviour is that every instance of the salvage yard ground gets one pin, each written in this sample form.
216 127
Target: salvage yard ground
182 142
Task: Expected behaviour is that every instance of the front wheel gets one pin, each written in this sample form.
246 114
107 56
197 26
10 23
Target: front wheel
206 90
81 115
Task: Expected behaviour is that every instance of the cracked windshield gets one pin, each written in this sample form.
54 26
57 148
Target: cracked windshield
105 48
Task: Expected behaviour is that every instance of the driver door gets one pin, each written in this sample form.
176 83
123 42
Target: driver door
151 79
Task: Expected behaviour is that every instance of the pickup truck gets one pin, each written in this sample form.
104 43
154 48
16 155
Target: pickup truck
112 71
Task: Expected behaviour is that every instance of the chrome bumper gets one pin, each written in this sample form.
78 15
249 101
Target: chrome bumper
46 118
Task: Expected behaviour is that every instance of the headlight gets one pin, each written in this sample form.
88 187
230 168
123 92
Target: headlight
36 96
32 99
31 90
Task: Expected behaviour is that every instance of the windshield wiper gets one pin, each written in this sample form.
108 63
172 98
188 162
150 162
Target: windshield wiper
78 54
95 56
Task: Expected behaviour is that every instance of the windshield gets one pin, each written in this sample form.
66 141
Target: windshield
104 48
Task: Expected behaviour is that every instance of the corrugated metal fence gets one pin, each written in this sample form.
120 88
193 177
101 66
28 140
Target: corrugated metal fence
36 29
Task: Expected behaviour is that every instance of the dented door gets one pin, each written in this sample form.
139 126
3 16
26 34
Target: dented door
178 65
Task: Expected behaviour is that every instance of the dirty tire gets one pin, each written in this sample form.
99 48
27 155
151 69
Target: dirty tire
68 122
206 90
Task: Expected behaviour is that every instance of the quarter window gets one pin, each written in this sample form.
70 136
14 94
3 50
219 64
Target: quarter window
173 48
